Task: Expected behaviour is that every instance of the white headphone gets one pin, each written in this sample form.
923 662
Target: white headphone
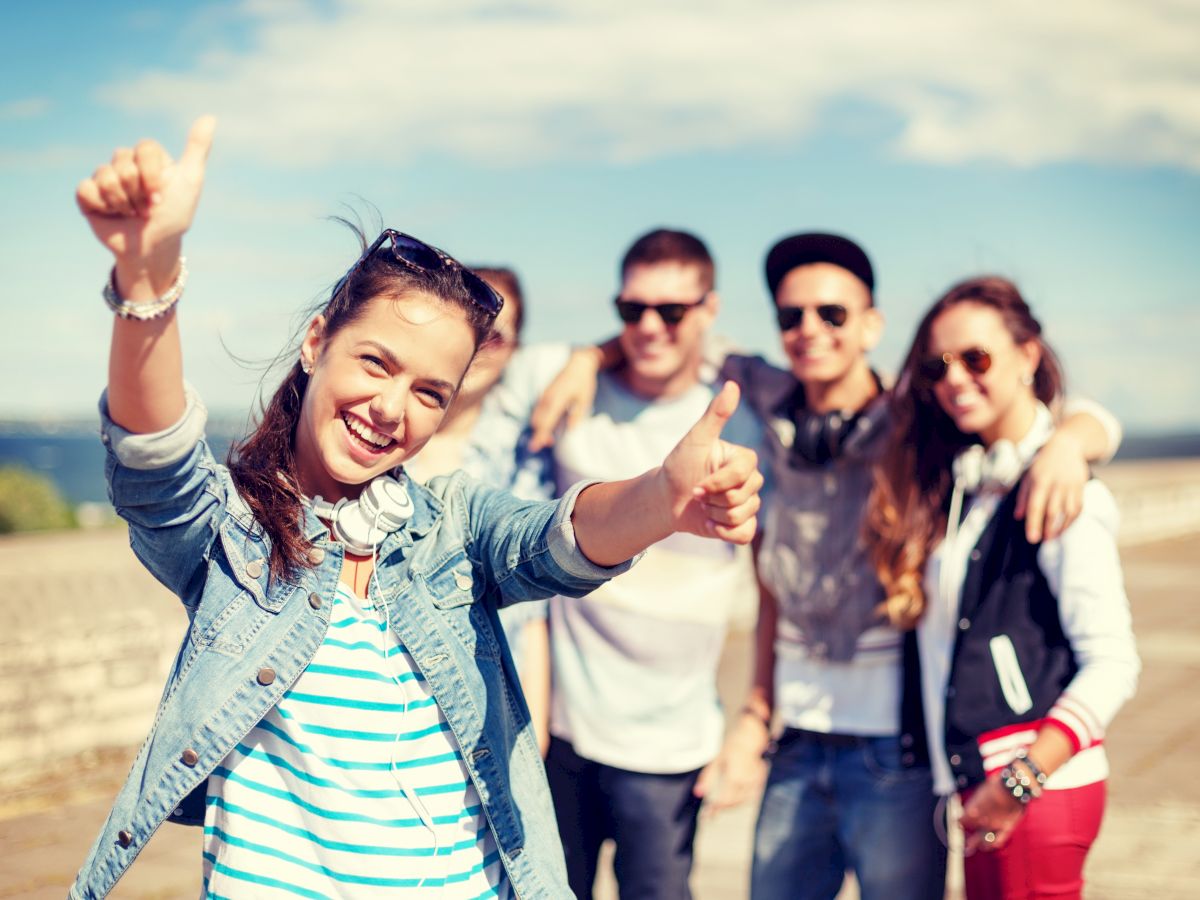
997 467
382 507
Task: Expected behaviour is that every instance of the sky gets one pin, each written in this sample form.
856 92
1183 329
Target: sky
1055 143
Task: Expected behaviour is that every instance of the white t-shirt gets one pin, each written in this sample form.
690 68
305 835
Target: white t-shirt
635 662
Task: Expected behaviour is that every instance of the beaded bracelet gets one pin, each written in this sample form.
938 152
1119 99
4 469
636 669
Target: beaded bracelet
149 309
1020 785
1038 775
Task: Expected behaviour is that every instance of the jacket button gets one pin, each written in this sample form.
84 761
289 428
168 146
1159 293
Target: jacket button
908 759
955 759
254 568
906 740
976 556
189 757
266 675
124 838
463 581
314 600
316 556
964 624
961 780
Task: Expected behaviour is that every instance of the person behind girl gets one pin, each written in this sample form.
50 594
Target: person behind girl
485 434
340 705
1023 651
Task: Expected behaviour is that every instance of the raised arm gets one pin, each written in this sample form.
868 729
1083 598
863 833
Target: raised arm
569 397
139 206
705 486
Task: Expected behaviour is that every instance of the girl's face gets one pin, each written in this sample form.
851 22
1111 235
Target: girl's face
994 404
378 390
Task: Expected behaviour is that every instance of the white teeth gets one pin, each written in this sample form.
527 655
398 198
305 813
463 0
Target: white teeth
367 434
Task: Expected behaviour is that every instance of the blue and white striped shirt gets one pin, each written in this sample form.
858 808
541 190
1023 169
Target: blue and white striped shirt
352 786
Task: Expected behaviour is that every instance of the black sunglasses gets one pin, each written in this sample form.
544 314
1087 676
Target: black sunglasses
416 254
832 314
934 369
631 311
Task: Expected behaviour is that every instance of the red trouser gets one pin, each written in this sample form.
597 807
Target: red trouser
1045 854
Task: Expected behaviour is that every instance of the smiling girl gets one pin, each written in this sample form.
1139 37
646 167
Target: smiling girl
342 717
1023 651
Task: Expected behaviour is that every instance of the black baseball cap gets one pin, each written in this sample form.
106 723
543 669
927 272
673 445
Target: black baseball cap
818 247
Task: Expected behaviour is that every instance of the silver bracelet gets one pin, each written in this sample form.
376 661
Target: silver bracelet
148 309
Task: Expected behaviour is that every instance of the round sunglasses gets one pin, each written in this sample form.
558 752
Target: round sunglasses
832 314
631 311
414 253
976 361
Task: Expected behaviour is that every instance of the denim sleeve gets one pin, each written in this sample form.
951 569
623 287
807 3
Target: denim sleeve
529 549
165 486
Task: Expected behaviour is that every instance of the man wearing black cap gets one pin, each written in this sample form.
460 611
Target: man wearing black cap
846 789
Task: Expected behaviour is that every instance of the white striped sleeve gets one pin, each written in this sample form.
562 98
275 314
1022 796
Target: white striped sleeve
1084 572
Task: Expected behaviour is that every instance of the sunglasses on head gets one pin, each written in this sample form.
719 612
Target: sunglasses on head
422 257
976 360
832 314
631 311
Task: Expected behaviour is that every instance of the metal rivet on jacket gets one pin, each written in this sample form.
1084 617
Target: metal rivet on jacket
266 675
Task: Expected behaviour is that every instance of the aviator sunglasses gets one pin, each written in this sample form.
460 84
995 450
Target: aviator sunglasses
416 254
976 361
832 314
631 311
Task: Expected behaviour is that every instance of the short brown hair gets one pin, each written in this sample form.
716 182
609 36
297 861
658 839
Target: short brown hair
666 246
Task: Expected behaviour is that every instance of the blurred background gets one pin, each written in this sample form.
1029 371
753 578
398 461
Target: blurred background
1055 143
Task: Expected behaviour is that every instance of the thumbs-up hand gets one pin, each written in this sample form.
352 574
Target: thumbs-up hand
713 485
141 202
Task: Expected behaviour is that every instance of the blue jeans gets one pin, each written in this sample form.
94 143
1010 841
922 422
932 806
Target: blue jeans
651 818
836 802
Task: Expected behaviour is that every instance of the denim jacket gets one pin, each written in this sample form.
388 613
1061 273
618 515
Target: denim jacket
466 550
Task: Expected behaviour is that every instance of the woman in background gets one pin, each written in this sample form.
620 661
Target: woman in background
485 434
1023 652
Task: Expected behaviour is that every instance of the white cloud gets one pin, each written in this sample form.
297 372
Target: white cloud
25 108
1019 82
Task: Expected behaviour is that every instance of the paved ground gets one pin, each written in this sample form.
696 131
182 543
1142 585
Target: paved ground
1147 849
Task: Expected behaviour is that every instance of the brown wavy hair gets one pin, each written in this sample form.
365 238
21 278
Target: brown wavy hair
263 464
906 513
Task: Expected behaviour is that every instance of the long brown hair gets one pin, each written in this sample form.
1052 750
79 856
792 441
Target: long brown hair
906 514
263 465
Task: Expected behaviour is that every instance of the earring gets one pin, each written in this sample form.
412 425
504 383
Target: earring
305 367
1027 379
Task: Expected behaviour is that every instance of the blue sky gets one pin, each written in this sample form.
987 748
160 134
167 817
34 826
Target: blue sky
1058 144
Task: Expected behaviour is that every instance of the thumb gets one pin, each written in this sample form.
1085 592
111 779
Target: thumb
708 427
199 142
